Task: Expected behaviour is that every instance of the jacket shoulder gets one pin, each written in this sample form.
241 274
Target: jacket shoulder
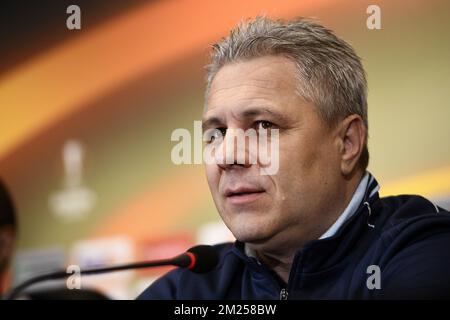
412 248
396 210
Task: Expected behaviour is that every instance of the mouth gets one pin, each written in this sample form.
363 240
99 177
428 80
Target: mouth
243 195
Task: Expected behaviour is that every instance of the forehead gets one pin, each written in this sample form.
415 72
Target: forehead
259 81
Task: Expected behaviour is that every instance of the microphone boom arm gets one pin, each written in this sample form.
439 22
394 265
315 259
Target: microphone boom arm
182 260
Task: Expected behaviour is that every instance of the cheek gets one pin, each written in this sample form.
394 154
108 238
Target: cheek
304 162
310 152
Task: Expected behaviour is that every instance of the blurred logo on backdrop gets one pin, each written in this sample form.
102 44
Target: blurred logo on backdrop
74 200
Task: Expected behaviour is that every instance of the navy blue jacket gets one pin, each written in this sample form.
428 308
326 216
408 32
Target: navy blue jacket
407 237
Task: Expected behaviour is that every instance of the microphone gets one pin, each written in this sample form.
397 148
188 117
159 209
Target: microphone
198 259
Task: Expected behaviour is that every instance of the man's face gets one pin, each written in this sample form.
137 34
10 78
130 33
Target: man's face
294 202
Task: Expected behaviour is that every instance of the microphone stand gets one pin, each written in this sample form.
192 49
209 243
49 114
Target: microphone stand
182 260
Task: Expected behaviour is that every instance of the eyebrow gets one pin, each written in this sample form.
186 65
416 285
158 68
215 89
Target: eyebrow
248 113
211 122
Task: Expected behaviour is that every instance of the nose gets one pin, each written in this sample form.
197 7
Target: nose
235 150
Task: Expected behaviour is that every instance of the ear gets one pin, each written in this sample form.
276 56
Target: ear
352 134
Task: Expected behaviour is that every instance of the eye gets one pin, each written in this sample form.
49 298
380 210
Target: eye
263 124
217 133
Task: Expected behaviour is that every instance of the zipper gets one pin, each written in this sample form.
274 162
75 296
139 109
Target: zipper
284 294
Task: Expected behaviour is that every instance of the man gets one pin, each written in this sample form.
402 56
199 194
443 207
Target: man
317 229
7 235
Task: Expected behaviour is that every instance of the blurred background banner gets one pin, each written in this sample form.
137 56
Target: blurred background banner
86 117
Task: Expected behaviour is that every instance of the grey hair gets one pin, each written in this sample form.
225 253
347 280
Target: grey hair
330 73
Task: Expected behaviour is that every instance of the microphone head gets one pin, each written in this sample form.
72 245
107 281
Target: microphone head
205 258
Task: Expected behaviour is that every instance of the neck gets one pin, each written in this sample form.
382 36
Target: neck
279 254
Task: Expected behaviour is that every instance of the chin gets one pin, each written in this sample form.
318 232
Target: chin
249 230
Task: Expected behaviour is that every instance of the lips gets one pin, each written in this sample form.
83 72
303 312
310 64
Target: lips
242 191
243 194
